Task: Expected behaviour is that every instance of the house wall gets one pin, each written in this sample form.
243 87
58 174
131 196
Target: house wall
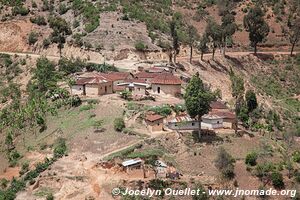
155 126
192 125
212 123
167 89
139 90
109 88
91 89
77 89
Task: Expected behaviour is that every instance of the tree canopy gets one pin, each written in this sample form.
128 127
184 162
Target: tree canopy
257 27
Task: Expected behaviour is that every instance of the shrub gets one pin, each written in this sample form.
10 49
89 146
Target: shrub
263 169
60 148
20 10
277 180
163 110
32 38
140 46
251 159
46 42
119 124
126 94
39 20
50 197
62 9
296 156
202 195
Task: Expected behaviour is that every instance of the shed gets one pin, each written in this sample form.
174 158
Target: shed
132 164
154 122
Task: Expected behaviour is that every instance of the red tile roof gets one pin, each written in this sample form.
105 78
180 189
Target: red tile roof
224 114
114 76
92 80
146 75
154 117
166 79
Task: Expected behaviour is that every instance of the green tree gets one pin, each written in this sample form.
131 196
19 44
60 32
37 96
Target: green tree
197 99
214 32
44 76
237 87
257 27
174 34
251 100
193 35
229 27
202 47
60 30
294 33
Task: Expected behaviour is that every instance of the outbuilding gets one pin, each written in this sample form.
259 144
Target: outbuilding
166 83
154 122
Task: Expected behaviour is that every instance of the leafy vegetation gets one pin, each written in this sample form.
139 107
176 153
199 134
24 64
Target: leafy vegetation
119 124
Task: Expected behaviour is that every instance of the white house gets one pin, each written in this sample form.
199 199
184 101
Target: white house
211 121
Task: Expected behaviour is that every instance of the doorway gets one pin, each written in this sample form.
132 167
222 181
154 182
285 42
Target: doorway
105 89
158 90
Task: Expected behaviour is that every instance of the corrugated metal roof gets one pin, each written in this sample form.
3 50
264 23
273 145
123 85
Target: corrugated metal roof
131 162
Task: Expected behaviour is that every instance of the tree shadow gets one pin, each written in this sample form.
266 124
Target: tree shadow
235 61
198 64
265 56
208 137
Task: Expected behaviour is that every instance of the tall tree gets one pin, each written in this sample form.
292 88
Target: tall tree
294 33
257 27
237 87
229 27
197 99
202 47
44 76
192 33
60 30
214 32
176 46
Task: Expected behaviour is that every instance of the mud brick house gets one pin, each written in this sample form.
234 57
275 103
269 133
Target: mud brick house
118 77
92 84
154 122
220 109
166 83
146 76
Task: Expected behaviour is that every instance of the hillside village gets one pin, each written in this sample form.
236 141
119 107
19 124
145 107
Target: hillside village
101 97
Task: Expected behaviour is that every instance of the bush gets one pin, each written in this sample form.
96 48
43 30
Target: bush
46 42
32 38
277 180
62 9
20 10
39 20
60 148
126 95
140 46
297 176
119 124
163 110
251 159
50 197
296 156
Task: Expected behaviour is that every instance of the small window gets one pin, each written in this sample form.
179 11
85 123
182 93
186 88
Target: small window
80 88
139 89
193 124
157 124
218 122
